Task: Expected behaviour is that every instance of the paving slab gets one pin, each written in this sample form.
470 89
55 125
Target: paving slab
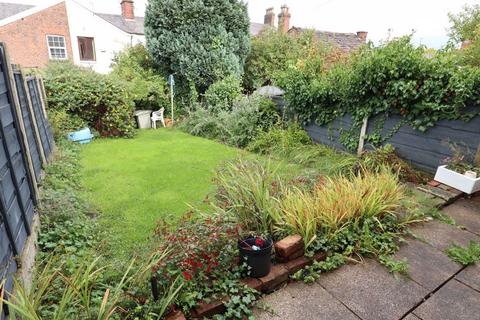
442 236
303 302
454 301
411 316
470 276
466 214
371 292
427 265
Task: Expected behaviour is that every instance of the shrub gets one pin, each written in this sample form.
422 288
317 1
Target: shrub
96 99
221 94
199 41
238 127
133 69
280 141
249 116
63 122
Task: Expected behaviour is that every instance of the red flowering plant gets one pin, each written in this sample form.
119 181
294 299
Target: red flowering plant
204 252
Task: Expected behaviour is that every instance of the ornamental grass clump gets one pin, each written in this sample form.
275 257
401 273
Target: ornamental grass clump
248 192
338 201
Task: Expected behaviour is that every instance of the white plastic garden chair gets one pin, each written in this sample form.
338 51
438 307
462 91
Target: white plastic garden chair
158 116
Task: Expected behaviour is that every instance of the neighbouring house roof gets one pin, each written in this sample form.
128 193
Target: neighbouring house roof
129 26
345 41
256 28
11 9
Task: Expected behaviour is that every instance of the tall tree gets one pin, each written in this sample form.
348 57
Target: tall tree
465 26
201 41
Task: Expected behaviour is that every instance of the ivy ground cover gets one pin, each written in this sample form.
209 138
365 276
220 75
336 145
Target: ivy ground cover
135 182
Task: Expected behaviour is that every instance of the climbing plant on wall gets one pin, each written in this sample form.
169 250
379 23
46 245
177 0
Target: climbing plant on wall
396 77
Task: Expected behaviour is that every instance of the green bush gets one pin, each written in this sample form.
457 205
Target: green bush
221 94
62 122
238 127
133 68
96 99
278 140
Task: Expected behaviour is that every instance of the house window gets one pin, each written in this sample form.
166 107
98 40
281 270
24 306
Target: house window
57 50
86 46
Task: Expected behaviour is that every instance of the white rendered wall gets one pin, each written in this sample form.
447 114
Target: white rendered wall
108 39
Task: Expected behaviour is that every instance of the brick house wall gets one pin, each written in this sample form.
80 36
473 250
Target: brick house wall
26 38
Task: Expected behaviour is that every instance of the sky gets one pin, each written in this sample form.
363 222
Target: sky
381 18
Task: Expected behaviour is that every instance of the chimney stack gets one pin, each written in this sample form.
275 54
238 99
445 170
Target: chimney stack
127 10
284 19
269 17
362 35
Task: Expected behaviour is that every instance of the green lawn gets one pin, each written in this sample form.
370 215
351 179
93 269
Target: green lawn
134 182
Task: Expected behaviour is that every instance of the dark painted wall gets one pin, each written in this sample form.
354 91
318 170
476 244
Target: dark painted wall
425 150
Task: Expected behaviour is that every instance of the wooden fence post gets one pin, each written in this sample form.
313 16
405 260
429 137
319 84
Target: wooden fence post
13 173
363 132
21 126
44 95
41 95
34 121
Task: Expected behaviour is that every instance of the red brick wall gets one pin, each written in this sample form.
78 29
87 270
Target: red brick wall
26 38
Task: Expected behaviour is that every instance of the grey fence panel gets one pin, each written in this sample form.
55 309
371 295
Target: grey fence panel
16 183
43 126
428 150
330 135
425 150
28 122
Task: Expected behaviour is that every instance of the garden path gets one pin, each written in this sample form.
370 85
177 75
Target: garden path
435 288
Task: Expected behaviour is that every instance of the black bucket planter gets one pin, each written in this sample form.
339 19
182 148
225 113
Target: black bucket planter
259 260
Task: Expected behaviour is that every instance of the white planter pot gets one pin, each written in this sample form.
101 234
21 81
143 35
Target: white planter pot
457 180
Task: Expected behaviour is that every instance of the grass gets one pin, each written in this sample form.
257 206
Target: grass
135 182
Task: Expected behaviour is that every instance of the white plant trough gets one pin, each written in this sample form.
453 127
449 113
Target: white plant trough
457 180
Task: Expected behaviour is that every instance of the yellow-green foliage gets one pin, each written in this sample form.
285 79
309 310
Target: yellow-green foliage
337 201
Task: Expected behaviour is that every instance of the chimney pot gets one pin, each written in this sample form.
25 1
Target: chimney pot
127 10
284 19
362 35
269 17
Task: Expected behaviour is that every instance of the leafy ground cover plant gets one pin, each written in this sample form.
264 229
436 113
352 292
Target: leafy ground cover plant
465 255
280 141
203 253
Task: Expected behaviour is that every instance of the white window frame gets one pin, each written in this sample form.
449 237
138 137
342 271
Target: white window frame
56 47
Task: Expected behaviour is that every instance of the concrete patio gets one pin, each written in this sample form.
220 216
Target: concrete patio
435 288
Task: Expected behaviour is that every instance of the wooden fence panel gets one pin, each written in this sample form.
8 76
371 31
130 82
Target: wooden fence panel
33 138
40 119
425 150
24 137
